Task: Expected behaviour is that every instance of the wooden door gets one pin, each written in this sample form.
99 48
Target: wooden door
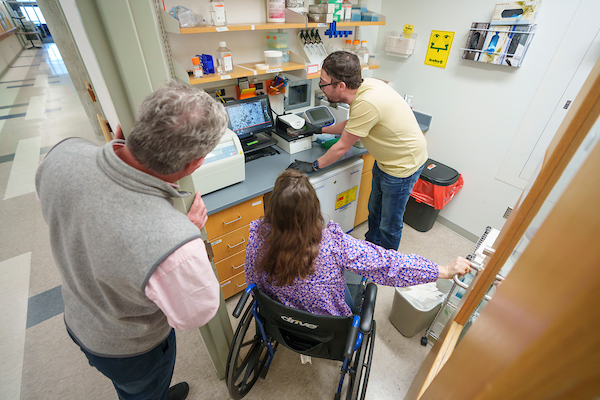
538 336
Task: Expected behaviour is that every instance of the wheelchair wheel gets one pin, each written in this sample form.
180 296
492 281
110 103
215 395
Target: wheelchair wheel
246 358
357 389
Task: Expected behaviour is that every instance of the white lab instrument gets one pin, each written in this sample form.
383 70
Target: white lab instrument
222 167
292 120
292 145
337 189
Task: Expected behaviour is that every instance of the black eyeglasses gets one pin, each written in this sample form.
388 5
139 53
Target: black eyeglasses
321 86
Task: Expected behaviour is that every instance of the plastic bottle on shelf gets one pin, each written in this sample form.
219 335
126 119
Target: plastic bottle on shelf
276 11
217 12
363 53
197 67
355 44
224 59
348 45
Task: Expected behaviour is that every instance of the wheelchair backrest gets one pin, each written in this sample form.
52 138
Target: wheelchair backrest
321 336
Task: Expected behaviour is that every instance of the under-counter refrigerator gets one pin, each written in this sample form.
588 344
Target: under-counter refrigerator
337 189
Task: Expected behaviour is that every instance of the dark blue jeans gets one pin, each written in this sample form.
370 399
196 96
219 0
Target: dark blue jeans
146 376
387 203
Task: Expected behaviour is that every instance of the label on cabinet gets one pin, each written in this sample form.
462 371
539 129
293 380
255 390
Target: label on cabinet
222 29
274 70
223 77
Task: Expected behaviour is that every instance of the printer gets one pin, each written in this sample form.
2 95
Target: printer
222 167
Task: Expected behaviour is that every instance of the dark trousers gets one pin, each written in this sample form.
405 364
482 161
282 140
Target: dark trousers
146 376
387 203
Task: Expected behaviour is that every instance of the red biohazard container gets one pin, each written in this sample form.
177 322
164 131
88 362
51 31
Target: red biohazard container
436 186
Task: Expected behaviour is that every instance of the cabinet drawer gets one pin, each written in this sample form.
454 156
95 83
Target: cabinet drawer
233 285
231 266
369 162
234 217
231 243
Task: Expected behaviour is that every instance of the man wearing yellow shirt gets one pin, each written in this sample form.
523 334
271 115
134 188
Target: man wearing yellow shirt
388 129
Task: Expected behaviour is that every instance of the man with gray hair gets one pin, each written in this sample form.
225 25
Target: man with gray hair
132 267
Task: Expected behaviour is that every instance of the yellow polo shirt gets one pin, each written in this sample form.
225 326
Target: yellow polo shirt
388 128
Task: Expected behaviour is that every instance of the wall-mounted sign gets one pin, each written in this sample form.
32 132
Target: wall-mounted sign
438 49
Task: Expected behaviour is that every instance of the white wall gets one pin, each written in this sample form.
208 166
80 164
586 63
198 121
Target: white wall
89 59
477 108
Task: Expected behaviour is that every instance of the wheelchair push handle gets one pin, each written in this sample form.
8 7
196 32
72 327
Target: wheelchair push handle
242 302
368 308
352 334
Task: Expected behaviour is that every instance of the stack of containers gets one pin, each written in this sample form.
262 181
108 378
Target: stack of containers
321 12
338 11
279 41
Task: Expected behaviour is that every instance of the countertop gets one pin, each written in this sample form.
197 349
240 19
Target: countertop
262 173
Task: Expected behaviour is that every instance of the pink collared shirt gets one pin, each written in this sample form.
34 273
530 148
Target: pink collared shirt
185 287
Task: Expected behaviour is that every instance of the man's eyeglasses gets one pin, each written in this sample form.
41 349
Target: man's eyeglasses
321 86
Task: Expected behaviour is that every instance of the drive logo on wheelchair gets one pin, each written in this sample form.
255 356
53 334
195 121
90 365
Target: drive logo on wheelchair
296 322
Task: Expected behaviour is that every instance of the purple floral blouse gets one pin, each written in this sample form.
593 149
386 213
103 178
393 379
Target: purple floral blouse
323 292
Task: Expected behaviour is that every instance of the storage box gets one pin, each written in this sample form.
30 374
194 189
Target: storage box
369 16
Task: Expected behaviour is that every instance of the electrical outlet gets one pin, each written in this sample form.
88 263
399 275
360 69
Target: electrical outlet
220 92
507 212
258 86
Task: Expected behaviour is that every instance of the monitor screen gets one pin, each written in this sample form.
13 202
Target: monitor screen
250 116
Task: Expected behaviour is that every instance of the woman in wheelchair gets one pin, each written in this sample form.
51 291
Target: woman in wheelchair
295 258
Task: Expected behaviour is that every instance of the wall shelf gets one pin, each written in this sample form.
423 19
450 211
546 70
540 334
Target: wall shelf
294 21
245 70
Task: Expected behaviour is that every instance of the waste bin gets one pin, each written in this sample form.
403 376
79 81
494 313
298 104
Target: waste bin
412 312
436 186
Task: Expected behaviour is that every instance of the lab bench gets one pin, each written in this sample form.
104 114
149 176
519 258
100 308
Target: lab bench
262 173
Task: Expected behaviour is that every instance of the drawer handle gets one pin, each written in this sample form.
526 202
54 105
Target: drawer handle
236 245
226 283
238 267
231 222
242 285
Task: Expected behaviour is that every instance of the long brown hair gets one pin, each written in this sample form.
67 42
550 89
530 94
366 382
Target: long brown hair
294 217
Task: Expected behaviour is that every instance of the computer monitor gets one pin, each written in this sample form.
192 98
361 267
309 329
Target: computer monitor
250 119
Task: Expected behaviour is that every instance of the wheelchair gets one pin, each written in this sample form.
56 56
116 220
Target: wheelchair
346 339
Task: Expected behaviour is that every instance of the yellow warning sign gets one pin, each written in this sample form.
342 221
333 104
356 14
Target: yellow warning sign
345 198
440 43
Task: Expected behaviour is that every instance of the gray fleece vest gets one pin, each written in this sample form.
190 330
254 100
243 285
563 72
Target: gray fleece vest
111 225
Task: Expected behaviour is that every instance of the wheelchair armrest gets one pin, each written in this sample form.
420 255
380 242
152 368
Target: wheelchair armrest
242 302
368 308
352 334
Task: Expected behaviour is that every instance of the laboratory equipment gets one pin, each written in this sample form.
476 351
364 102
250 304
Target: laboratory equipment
217 12
252 121
292 120
276 11
319 116
197 67
297 92
337 190
363 53
292 140
208 66
224 59
224 166
273 58
340 111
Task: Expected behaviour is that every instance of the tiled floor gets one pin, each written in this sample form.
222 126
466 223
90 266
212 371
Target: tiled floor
38 108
